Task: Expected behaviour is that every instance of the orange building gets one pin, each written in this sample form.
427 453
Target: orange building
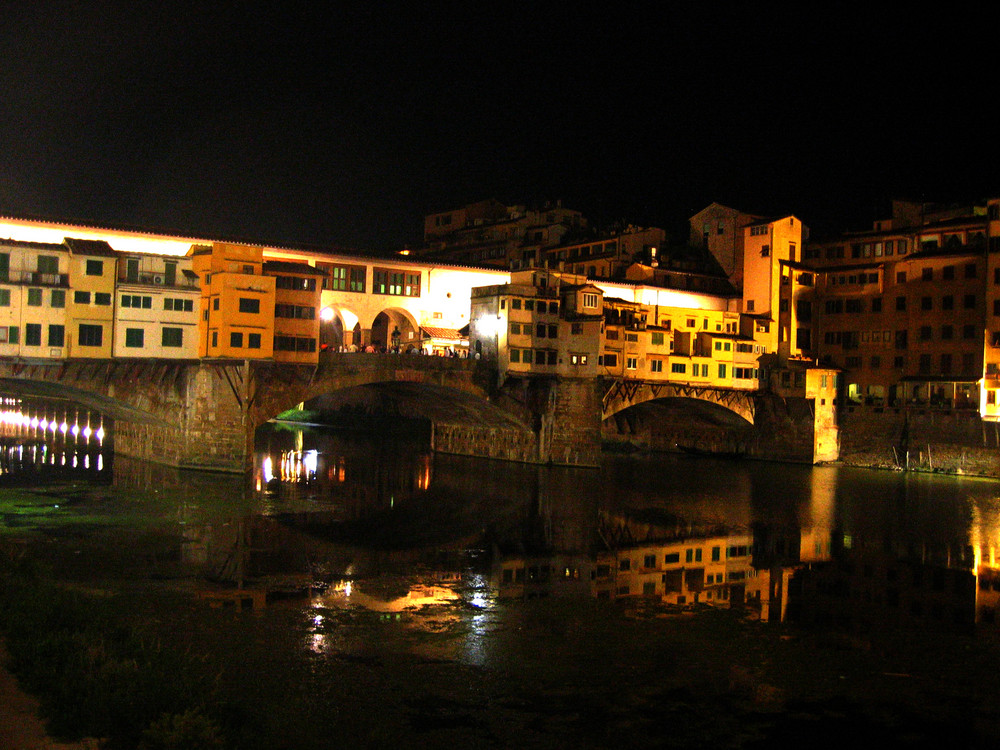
296 301
237 301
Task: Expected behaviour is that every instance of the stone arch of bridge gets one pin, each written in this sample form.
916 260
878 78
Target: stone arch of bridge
622 395
109 405
453 388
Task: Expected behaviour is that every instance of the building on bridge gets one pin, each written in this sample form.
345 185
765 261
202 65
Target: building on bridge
548 322
542 323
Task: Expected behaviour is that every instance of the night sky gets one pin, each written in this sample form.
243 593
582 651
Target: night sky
342 124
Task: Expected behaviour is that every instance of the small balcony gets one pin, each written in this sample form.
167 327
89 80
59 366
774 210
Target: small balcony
184 280
35 278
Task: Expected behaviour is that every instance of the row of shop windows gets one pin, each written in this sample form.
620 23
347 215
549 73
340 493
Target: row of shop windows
857 306
300 312
538 357
145 302
541 330
680 368
57 299
49 265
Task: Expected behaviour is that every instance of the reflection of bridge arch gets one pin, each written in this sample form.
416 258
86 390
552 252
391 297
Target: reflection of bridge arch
621 394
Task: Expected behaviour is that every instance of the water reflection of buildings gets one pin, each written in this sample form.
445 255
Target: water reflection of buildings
817 576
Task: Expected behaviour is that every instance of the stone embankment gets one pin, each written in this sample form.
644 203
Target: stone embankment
949 441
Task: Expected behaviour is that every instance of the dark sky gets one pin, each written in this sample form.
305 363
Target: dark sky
342 124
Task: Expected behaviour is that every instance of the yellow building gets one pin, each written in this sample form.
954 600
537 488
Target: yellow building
989 397
90 311
680 345
766 245
237 301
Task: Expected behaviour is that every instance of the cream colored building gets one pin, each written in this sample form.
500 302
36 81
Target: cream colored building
157 300
542 323
34 286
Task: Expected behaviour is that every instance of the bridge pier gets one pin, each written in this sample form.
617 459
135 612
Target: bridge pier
565 419
203 423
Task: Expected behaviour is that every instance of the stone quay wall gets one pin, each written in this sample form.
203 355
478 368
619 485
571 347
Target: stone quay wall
954 441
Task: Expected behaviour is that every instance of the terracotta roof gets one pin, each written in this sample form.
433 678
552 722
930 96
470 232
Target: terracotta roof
292 267
90 247
440 333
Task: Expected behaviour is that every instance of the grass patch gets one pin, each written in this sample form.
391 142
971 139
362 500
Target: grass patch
95 671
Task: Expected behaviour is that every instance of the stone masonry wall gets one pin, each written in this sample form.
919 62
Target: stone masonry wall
205 425
784 429
572 424
565 428
953 441
485 442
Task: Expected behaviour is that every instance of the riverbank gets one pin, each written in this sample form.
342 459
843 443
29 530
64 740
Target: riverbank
21 726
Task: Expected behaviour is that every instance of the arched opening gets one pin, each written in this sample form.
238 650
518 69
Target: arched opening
679 424
339 330
395 331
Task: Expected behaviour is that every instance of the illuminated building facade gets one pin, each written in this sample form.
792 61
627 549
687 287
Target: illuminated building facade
903 309
296 301
237 301
34 287
93 269
157 307
542 323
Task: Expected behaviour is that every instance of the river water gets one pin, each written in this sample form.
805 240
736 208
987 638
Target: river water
424 599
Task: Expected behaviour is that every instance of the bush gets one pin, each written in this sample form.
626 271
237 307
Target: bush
190 730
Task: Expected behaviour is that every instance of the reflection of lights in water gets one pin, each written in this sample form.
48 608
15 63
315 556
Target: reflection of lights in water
100 461
86 461
309 461
347 588
424 478
475 642
479 600
74 461
268 468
